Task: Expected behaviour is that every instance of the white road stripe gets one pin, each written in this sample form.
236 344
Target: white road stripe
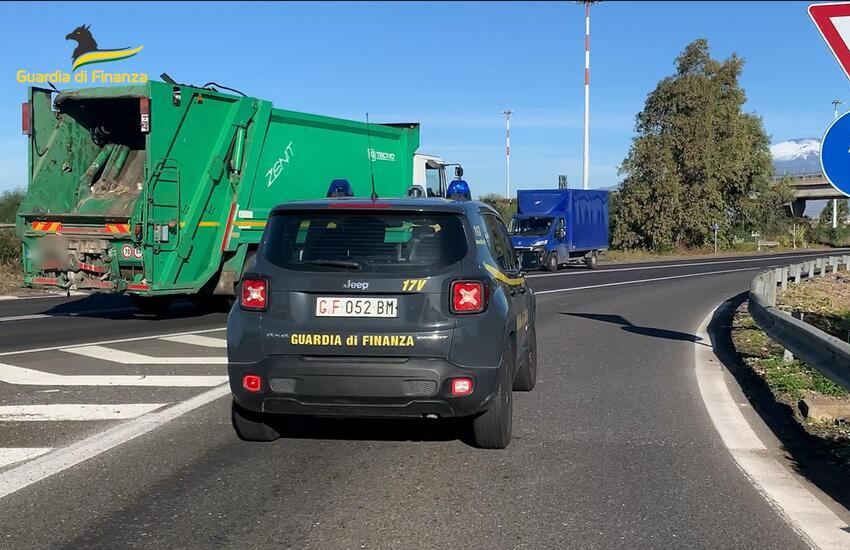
70 314
197 340
115 341
637 281
130 358
11 455
613 269
54 296
31 377
21 476
74 412
807 515
24 317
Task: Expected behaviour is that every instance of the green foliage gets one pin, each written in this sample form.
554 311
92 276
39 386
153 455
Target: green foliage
697 159
10 201
795 378
10 248
825 234
825 217
505 207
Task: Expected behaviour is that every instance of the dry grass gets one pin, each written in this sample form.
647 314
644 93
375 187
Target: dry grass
10 278
824 302
618 256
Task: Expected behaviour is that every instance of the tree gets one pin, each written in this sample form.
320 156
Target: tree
505 207
825 218
697 158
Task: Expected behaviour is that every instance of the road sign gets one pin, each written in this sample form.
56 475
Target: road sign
835 153
833 22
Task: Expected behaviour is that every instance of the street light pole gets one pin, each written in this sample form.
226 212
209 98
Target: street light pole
507 114
835 104
586 155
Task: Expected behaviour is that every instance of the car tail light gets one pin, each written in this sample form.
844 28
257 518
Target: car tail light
26 118
145 114
469 296
252 383
255 294
461 386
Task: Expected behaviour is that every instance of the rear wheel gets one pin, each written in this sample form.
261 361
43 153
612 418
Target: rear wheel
526 376
151 304
492 429
592 260
252 426
552 262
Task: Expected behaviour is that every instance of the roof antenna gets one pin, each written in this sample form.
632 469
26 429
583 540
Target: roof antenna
371 162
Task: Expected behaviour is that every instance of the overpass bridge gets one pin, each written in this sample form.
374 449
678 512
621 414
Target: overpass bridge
809 186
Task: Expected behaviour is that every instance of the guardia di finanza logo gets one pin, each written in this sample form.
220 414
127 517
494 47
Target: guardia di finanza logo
87 52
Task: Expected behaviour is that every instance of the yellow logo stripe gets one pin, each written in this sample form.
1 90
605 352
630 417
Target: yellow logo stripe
502 277
102 56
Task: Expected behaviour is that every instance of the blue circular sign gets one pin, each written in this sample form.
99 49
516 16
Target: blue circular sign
835 154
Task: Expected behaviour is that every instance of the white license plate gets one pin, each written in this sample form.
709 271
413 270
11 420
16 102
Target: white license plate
356 307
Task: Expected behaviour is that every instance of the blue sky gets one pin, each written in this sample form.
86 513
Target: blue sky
453 67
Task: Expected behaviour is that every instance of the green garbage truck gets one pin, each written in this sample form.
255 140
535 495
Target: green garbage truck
164 189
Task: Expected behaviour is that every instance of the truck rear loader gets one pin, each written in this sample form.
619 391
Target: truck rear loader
159 190
560 226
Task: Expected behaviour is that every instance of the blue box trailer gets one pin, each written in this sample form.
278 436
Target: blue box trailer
554 227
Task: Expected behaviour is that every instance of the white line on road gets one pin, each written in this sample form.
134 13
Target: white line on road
69 314
613 269
45 466
24 317
11 455
637 281
116 341
130 358
197 340
31 377
813 520
75 412
54 296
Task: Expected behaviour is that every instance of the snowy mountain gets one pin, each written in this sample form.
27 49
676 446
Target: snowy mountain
796 156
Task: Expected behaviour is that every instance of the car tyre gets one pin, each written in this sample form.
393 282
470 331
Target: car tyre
526 376
492 429
592 260
552 262
252 426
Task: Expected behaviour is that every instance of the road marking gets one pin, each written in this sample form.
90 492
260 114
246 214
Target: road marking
70 314
24 317
636 281
130 358
35 470
74 412
11 455
807 515
671 266
116 341
198 340
30 377
57 295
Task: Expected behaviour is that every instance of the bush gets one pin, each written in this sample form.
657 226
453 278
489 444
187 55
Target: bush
10 201
10 248
505 207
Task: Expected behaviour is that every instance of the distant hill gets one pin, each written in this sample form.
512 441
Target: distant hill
796 156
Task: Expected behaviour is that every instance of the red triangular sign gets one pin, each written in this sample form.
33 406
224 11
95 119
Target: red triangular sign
833 22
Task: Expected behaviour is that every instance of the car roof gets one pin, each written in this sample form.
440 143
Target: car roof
403 204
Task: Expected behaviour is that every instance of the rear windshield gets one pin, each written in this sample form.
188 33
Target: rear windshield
373 242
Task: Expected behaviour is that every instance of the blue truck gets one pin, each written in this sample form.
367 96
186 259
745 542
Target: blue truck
554 227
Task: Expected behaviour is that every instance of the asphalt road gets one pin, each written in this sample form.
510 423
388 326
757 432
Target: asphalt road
612 449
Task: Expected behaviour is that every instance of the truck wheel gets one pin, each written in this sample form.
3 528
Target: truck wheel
526 376
552 262
151 304
492 429
592 261
251 426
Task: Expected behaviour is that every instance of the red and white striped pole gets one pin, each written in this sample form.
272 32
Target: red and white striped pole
586 159
507 114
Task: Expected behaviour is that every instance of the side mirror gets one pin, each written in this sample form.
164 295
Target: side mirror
560 233
528 259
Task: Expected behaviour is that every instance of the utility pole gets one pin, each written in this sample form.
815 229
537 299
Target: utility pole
586 156
507 114
835 104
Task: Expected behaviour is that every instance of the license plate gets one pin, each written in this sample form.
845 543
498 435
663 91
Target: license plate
356 307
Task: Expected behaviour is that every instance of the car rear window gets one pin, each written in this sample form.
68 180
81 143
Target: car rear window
374 242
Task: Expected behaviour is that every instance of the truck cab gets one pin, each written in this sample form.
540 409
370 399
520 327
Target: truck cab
429 174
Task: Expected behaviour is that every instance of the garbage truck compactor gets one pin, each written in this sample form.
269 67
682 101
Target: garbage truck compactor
160 189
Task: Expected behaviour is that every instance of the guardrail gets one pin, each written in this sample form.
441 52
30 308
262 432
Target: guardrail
821 351
7 226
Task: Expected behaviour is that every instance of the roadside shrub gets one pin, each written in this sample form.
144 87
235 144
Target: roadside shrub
10 201
10 248
505 207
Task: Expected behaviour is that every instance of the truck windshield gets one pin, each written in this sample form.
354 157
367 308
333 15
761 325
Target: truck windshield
531 226
382 243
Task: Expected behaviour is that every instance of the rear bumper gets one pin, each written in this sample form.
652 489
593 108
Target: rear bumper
361 387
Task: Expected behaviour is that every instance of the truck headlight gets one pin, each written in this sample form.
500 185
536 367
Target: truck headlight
541 242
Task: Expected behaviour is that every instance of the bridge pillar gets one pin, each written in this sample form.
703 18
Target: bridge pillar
798 207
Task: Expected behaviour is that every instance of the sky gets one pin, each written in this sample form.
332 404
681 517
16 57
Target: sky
453 67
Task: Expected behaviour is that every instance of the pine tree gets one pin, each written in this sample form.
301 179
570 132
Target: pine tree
697 158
